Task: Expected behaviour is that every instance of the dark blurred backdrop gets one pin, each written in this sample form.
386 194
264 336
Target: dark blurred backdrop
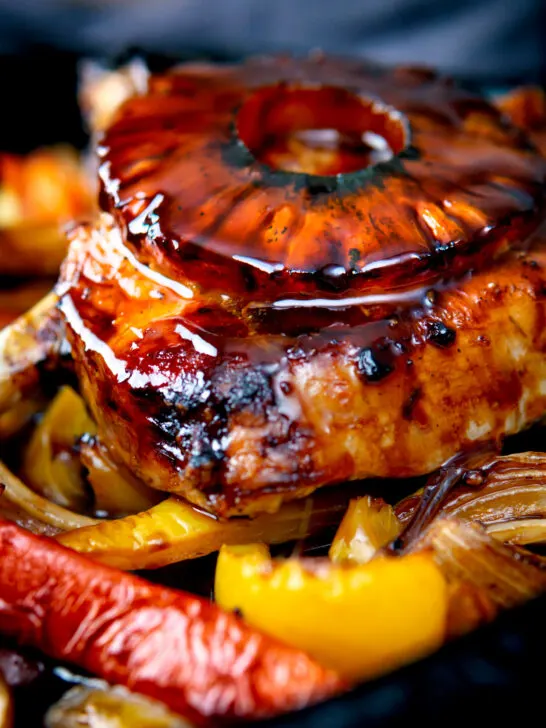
484 42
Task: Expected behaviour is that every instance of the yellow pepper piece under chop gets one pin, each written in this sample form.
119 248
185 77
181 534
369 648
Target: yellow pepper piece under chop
51 465
368 525
361 620
174 530
116 491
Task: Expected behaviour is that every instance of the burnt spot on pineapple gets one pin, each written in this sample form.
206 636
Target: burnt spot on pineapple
440 335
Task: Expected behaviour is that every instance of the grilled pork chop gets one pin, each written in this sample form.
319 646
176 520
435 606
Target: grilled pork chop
307 272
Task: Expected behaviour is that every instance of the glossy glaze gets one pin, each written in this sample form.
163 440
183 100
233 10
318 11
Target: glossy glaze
203 401
201 174
239 383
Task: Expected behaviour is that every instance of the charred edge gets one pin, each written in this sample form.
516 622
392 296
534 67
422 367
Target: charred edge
236 155
375 363
249 279
252 388
440 335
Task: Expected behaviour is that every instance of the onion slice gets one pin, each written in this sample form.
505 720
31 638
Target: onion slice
38 508
30 340
102 706
510 500
485 576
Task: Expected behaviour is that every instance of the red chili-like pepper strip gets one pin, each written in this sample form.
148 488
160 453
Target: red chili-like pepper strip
172 646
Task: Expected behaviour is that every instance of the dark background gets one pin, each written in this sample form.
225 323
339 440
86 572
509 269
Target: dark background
487 43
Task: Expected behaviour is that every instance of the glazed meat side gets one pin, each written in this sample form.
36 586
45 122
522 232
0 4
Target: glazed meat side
238 410
262 310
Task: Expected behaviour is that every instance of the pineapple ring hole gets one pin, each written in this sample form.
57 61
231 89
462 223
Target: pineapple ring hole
324 131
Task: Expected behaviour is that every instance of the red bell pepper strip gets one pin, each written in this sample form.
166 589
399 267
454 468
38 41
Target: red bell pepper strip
203 663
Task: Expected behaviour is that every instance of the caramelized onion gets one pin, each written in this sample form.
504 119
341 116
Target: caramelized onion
485 575
101 706
27 342
509 500
36 507
521 531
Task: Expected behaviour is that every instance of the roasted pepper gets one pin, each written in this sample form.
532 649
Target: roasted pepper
360 620
51 464
62 446
174 530
201 662
116 492
368 525
39 192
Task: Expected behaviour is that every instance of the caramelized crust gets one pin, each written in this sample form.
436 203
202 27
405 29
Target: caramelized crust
218 407
257 314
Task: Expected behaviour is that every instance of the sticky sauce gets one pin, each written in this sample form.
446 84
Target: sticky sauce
282 276
231 180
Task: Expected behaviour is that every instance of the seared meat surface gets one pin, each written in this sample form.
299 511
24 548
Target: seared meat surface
251 321
200 402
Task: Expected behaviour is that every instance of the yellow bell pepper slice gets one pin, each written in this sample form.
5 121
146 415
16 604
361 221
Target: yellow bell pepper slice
54 467
174 531
116 491
360 620
51 464
369 525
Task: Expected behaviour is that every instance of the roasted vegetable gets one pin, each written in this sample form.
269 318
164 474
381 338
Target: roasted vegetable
20 296
38 194
484 575
52 465
509 499
465 552
33 508
525 106
15 418
360 620
26 345
116 492
368 525
171 646
174 530
63 446
106 707
103 91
